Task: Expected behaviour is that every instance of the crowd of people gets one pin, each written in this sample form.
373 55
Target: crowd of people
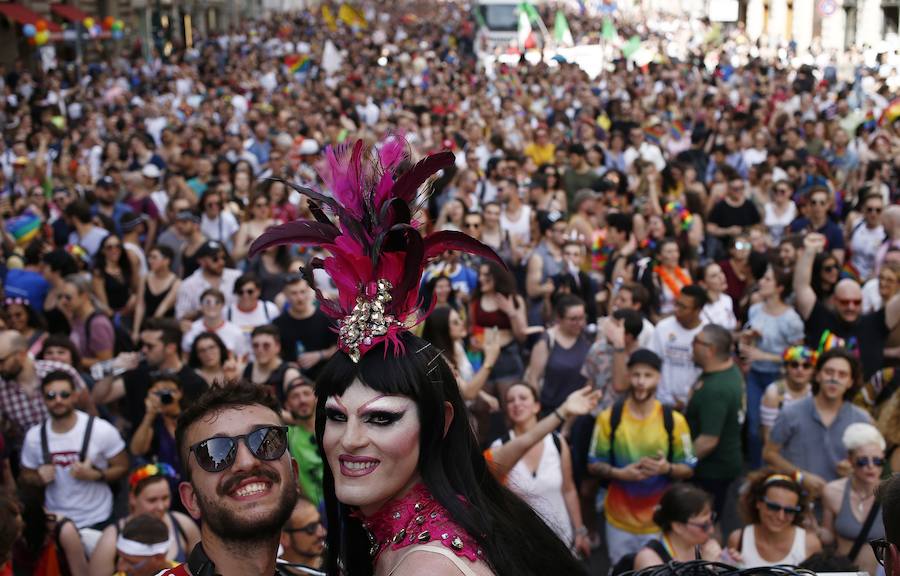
710 243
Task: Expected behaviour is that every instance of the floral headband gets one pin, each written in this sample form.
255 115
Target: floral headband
160 469
679 215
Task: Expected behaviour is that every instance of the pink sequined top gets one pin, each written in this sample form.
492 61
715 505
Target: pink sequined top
417 518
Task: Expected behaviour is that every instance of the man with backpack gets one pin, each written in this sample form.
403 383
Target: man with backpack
93 332
639 446
74 455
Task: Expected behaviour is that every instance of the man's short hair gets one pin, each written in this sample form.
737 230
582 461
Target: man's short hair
215 293
639 294
171 330
631 321
620 221
79 210
58 376
697 294
270 329
145 529
719 340
216 399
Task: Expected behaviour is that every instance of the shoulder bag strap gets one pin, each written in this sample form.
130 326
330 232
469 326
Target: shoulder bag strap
614 419
864 533
45 444
669 424
87 439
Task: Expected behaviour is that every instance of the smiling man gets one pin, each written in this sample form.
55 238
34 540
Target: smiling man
241 481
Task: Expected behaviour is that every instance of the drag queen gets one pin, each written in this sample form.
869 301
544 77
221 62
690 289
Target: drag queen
407 490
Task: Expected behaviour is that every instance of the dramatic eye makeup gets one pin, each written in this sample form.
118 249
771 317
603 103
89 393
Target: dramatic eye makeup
386 414
382 417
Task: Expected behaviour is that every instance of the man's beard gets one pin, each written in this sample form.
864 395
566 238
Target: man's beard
231 527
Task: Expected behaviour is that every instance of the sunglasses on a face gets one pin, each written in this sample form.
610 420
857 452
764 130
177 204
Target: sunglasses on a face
64 395
776 507
219 452
864 461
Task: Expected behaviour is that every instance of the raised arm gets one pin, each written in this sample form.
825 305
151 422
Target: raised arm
805 296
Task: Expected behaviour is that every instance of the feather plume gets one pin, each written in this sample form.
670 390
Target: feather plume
376 252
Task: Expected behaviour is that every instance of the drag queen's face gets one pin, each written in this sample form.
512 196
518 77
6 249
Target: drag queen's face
371 442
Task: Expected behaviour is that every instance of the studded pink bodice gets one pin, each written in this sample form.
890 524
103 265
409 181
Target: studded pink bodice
417 518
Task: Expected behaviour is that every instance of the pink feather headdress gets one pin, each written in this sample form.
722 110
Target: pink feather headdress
377 254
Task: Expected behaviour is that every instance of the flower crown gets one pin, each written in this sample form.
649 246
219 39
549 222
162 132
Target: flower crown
679 215
149 470
377 252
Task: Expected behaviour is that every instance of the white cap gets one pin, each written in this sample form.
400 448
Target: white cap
151 171
309 147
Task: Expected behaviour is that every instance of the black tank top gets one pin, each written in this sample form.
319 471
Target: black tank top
152 301
116 291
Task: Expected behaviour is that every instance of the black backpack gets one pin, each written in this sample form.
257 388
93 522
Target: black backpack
626 562
122 341
45 444
616 419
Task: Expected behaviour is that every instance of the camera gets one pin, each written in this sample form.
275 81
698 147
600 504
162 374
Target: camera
166 397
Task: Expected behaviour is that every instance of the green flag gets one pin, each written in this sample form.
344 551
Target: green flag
609 30
529 9
561 33
526 38
631 46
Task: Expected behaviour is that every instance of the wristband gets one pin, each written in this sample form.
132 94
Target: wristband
558 415
581 531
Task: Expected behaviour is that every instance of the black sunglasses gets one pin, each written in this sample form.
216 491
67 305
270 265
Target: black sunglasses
863 461
880 548
775 507
806 365
50 396
218 453
310 528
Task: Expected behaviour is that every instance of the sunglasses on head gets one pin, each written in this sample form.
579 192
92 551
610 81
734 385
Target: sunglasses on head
864 461
218 453
776 507
64 395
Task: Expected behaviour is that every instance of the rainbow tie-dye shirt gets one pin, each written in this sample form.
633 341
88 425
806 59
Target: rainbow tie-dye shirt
629 505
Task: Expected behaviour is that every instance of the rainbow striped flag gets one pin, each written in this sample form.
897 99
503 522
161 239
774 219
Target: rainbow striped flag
24 227
869 122
678 129
297 63
891 113
654 133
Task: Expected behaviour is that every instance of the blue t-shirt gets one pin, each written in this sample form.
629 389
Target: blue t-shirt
830 230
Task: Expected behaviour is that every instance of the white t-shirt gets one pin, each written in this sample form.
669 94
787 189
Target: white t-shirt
674 344
777 224
264 313
864 245
720 312
85 503
232 336
221 229
520 228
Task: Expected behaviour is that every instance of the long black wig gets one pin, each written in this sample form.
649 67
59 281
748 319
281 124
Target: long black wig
515 540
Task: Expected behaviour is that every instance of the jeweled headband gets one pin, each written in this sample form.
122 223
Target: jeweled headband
377 252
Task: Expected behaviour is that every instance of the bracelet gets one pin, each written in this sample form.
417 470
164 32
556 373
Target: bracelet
581 531
618 350
558 415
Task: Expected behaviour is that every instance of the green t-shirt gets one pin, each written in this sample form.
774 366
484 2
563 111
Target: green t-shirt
715 409
302 446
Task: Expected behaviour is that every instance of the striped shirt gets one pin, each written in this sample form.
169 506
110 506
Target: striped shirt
24 405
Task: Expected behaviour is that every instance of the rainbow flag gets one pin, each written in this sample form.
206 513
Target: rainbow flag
24 227
654 133
297 63
869 122
850 271
678 129
891 113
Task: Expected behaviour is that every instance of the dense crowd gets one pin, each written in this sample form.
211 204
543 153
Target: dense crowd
711 240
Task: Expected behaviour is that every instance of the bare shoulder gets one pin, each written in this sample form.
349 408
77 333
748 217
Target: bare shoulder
646 557
423 561
833 492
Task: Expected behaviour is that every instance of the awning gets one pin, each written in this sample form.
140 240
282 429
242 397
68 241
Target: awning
68 12
22 15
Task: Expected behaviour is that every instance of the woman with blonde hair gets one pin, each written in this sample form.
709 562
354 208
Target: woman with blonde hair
849 502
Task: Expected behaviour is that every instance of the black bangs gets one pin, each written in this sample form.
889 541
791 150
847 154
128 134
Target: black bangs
383 370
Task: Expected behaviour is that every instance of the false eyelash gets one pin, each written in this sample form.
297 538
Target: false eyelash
387 418
334 414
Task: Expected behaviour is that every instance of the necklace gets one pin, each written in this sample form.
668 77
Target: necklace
416 518
861 498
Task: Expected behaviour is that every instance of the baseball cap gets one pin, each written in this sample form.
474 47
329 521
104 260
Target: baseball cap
129 221
106 182
211 248
151 171
646 357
